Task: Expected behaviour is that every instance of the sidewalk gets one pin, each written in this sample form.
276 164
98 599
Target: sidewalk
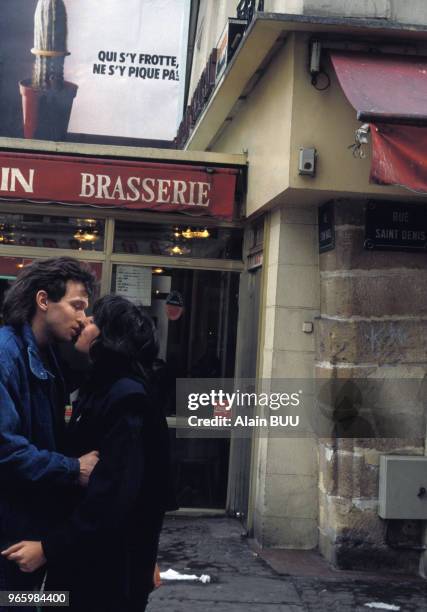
246 580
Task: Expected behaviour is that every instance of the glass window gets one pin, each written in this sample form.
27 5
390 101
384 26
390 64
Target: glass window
195 312
52 232
180 240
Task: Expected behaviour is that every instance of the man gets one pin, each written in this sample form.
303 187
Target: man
45 305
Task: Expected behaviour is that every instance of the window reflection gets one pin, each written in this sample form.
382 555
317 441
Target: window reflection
195 312
179 240
52 232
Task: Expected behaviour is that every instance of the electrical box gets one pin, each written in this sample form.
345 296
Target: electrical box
307 162
403 487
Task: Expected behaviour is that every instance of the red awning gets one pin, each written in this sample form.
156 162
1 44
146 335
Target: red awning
399 156
390 92
191 189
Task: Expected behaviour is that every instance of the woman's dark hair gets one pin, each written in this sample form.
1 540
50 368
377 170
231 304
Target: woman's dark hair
127 333
50 275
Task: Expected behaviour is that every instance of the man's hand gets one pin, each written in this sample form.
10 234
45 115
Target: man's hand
29 556
87 463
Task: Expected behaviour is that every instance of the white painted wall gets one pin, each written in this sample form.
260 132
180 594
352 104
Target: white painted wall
411 11
284 6
372 9
402 11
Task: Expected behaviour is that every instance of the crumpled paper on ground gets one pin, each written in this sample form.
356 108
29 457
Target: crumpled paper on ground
378 605
173 575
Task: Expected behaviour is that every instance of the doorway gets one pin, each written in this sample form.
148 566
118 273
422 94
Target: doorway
195 312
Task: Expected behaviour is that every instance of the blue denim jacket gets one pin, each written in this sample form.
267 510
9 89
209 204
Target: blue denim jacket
30 468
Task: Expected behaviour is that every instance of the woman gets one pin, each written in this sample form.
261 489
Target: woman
104 554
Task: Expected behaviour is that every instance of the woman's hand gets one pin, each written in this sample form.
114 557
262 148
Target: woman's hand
29 556
157 581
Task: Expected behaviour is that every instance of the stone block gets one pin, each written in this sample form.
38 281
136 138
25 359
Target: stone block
292 364
274 237
327 547
291 496
354 539
299 245
288 334
279 532
292 456
327 469
299 215
267 363
297 287
346 474
327 520
348 471
269 328
328 371
368 480
378 295
349 213
380 342
345 518
358 554
390 446
272 285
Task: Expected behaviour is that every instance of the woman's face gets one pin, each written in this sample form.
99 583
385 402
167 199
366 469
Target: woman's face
87 336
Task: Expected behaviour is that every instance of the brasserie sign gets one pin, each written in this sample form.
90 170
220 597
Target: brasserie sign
134 185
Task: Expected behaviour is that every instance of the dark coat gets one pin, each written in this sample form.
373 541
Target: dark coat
105 553
32 472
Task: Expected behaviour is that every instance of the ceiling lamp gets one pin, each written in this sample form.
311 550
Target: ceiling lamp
86 235
189 233
178 250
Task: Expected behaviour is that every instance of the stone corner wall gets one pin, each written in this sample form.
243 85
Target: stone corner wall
373 324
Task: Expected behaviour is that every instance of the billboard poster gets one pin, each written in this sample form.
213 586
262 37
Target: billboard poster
104 68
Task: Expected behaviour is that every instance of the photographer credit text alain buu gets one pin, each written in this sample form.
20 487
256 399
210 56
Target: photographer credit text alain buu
223 402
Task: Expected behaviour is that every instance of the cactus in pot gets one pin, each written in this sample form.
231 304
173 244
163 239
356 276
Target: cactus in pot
50 44
46 98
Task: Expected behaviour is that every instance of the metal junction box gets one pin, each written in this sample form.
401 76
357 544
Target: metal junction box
403 487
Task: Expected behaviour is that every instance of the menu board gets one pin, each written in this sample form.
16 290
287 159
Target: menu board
134 283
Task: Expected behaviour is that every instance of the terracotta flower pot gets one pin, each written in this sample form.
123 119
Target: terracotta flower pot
46 112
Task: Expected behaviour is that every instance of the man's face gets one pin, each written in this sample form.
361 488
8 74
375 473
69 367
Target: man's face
65 319
88 335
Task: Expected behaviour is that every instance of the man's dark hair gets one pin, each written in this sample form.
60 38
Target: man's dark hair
50 275
127 334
